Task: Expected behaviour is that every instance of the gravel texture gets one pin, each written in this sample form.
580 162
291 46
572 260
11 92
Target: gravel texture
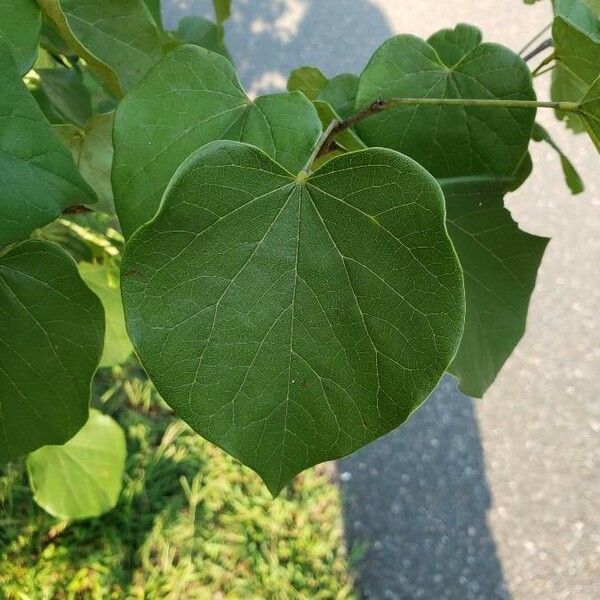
501 497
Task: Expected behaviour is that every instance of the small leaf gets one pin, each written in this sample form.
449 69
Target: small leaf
120 40
222 10
452 45
571 175
67 93
204 33
20 27
347 139
589 111
38 178
308 80
93 154
291 320
103 280
51 336
82 478
340 94
500 264
190 98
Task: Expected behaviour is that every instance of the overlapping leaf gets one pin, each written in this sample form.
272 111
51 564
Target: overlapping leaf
589 109
291 320
20 27
477 154
51 335
192 97
120 40
82 478
38 178
202 32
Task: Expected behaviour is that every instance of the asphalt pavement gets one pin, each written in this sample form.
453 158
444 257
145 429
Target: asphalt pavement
498 498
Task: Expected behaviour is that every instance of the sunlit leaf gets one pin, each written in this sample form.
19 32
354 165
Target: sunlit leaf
51 336
308 80
192 97
82 478
38 178
291 320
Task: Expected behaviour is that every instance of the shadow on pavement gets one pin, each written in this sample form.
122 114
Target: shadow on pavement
416 499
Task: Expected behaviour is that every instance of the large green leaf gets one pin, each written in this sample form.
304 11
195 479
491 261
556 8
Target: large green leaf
500 264
103 280
476 155
51 335
448 141
119 39
93 154
202 32
291 320
67 93
192 97
38 178
20 27
82 478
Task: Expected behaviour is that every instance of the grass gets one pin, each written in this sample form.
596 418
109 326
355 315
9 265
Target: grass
191 523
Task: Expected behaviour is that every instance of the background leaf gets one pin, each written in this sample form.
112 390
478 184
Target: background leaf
51 335
82 478
222 10
308 80
120 40
38 178
190 98
20 27
292 320
202 32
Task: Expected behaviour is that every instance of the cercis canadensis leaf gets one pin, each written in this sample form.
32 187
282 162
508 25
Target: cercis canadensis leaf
20 28
38 178
51 336
202 32
291 320
589 110
82 478
120 40
192 97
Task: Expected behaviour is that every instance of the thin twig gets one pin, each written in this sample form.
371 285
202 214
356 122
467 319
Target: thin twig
543 46
535 38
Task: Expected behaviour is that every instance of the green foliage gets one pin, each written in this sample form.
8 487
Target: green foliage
81 478
191 522
51 334
20 27
292 279
38 179
190 98
295 340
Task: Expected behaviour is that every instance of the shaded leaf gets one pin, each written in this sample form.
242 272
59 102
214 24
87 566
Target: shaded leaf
120 40
103 280
51 335
82 478
347 139
68 95
291 320
572 177
565 86
308 80
154 8
38 178
192 97
589 110
93 153
500 264
20 27
222 10
202 32
340 94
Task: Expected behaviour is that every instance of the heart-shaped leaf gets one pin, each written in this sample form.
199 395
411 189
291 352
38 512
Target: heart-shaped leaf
103 280
477 156
120 40
38 178
51 336
82 478
190 98
20 27
291 320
